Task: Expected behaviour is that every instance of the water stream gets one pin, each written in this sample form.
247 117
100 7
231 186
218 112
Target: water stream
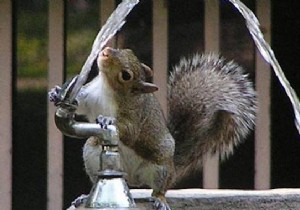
109 29
268 54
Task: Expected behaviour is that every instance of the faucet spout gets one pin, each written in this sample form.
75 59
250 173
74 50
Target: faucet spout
65 122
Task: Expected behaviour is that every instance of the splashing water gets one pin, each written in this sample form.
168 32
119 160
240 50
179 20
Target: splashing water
268 54
109 29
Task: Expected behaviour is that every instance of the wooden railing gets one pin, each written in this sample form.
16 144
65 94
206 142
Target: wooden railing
6 62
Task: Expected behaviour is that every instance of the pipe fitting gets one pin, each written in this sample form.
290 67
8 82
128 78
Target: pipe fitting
65 122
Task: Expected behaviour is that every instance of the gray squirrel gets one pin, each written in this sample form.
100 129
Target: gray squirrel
211 107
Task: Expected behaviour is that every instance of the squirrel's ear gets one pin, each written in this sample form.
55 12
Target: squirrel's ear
148 72
144 87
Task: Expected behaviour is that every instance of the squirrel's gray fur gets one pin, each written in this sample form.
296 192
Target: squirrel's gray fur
212 106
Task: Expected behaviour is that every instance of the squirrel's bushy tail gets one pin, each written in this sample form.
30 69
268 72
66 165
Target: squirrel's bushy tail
212 107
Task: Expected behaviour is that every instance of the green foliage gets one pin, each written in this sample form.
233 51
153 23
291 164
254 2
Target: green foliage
82 25
32 42
32 53
79 45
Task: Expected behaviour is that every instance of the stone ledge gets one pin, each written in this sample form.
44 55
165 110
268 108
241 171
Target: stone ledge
194 199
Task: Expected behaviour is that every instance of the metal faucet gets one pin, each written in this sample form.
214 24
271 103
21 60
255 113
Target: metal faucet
111 189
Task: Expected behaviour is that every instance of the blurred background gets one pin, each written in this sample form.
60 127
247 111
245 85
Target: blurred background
186 36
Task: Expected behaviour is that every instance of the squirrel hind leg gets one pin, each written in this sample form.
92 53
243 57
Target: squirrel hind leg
160 201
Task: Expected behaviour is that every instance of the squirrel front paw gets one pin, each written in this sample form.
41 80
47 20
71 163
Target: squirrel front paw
54 95
105 121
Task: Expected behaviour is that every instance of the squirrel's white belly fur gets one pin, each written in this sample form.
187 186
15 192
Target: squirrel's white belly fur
91 154
97 99
137 170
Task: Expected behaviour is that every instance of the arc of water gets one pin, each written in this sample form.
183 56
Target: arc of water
109 29
268 54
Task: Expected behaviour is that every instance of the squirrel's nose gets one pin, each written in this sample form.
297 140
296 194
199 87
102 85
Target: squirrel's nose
107 51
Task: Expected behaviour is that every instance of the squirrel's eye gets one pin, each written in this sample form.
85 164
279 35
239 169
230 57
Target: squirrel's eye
125 76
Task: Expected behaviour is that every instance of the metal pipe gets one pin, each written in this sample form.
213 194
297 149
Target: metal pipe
65 122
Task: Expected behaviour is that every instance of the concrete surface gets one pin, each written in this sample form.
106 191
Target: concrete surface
203 199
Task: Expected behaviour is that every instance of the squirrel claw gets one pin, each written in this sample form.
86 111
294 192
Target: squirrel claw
54 94
80 200
105 121
161 205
